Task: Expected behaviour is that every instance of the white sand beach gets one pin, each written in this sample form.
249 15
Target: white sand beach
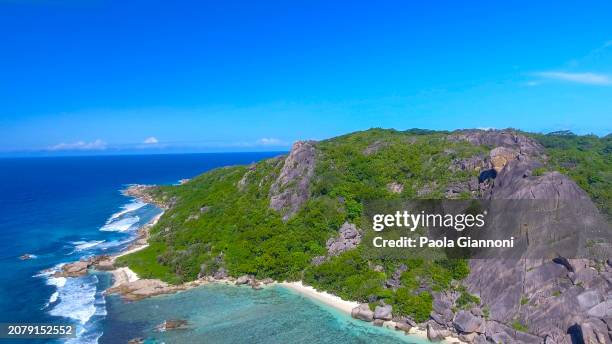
324 297
123 275
347 306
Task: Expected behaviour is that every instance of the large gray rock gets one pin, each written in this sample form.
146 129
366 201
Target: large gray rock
245 279
395 280
467 322
348 238
383 312
363 312
595 331
220 274
560 293
589 298
435 332
291 188
601 310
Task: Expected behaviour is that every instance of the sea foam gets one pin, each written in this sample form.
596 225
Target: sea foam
132 206
120 224
85 245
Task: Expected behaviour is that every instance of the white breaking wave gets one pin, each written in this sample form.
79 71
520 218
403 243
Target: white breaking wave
134 205
76 299
53 297
84 245
120 225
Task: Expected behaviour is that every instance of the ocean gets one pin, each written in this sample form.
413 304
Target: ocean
62 209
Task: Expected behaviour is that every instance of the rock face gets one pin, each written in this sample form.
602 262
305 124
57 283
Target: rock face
500 138
552 298
291 188
363 312
348 238
501 156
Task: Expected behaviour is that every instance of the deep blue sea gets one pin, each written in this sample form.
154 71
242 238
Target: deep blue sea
64 208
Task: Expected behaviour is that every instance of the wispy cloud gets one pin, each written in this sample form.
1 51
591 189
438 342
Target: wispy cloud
579 78
269 141
79 145
151 140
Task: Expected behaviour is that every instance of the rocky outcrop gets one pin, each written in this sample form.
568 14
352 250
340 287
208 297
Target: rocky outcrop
363 312
174 324
395 187
144 193
501 156
383 312
292 187
548 296
75 269
143 288
475 163
555 300
81 267
500 138
436 332
375 147
395 280
348 238
466 322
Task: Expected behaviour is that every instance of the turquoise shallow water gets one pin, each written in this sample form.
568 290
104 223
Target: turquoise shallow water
230 314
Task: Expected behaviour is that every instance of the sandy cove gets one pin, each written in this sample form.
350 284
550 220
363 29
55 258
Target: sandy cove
347 307
130 287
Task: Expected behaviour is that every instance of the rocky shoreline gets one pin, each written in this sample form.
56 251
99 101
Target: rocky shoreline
128 286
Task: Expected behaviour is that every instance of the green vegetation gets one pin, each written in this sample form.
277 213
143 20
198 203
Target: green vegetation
221 220
466 300
519 326
486 312
407 303
539 171
586 159
524 300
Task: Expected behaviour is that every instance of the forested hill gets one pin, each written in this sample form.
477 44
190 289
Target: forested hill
295 217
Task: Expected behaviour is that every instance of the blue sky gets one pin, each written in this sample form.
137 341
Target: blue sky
106 77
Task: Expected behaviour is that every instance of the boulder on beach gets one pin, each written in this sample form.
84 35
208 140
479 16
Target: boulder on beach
435 332
245 279
467 322
363 312
383 312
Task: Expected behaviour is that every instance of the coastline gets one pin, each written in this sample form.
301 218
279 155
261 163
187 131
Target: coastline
131 287
346 307
322 296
